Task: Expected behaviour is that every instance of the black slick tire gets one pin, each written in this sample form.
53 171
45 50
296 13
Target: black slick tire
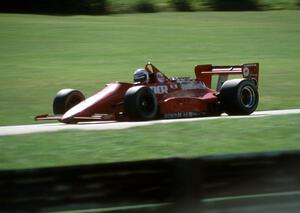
238 97
140 103
65 99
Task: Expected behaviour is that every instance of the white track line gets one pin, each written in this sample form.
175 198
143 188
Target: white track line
109 125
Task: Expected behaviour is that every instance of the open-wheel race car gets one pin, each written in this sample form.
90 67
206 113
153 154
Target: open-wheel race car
153 96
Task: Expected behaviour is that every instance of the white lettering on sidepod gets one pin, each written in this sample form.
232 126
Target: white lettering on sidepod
159 89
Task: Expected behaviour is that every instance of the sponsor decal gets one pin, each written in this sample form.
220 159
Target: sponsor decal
183 115
160 77
246 72
160 89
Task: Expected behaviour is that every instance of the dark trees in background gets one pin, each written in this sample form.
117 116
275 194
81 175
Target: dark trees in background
181 5
234 5
67 7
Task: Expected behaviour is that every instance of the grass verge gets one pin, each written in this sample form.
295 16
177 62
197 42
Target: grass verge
158 141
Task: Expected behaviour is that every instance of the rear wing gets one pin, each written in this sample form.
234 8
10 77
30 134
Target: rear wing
204 72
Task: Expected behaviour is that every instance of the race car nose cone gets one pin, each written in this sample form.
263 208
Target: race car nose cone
100 103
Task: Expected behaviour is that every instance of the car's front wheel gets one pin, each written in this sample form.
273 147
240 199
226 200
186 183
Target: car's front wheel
65 99
140 103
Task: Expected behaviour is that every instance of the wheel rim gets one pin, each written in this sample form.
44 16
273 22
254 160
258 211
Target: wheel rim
72 101
147 104
248 97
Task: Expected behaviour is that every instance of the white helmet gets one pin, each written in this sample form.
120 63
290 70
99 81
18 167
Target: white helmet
141 75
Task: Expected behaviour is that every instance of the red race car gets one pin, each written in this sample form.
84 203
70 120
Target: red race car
153 95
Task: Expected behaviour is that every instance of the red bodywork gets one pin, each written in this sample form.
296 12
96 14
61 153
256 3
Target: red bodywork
176 97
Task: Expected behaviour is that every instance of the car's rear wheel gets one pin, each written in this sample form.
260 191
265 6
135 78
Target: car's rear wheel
140 103
65 99
238 97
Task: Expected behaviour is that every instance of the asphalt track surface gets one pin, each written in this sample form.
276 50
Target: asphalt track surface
110 125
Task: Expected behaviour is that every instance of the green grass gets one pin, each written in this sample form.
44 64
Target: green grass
39 55
150 142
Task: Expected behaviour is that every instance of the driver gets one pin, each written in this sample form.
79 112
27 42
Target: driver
141 76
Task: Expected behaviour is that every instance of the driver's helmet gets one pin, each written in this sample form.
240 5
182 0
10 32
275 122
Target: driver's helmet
141 76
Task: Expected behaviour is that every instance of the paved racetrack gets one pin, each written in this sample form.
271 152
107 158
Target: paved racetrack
108 125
